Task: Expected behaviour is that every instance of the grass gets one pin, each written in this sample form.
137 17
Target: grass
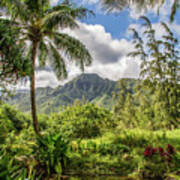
121 153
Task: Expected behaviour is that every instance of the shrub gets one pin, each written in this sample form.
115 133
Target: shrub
84 121
15 119
51 154
159 162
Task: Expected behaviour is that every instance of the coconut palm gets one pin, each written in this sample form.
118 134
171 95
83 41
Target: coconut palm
121 4
40 27
118 5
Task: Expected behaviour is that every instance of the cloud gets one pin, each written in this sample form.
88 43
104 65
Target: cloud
53 2
109 57
124 68
163 14
100 43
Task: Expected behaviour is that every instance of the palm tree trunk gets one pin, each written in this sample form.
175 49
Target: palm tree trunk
33 90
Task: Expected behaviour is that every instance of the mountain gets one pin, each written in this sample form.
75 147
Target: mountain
88 87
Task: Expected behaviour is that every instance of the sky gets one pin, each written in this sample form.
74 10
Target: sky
108 40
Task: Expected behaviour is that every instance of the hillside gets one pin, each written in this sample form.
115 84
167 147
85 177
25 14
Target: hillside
89 87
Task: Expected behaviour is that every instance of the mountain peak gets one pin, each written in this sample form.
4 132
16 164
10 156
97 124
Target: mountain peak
88 76
92 87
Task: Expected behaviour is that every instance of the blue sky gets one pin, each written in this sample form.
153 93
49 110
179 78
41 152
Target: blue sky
115 24
107 38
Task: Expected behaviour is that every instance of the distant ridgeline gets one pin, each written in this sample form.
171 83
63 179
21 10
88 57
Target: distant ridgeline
85 88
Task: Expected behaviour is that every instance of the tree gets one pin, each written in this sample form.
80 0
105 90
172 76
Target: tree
40 26
159 70
119 5
12 63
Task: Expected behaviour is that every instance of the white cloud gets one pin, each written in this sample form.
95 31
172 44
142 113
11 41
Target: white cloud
53 2
109 57
164 11
100 43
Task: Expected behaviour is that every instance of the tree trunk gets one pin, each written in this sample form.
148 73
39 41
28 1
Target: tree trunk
33 90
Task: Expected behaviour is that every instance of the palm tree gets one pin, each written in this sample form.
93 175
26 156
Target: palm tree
40 27
119 5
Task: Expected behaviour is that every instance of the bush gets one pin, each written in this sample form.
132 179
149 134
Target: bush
84 121
11 120
51 154
16 119
159 162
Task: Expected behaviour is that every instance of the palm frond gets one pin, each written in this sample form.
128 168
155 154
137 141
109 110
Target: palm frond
166 28
174 9
73 48
57 62
114 5
16 8
29 52
38 7
147 22
58 18
119 5
65 16
43 53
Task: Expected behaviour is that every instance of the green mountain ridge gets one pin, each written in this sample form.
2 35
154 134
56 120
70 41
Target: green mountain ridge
89 87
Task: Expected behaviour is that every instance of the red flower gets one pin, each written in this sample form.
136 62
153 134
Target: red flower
161 150
146 153
149 151
164 154
154 150
170 149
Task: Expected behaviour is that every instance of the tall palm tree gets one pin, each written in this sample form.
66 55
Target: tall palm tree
40 27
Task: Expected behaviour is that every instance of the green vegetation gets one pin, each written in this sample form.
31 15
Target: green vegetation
12 65
83 121
138 137
83 139
86 87
38 31
119 5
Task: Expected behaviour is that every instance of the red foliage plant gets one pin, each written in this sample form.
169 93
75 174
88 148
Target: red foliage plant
150 151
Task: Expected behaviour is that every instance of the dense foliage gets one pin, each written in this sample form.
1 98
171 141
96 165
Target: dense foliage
155 101
13 65
83 121
39 25
138 138
83 139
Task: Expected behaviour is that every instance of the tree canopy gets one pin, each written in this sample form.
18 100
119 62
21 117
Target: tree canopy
119 5
39 28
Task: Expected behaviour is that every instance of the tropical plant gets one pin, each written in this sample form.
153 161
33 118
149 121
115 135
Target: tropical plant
52 153
40 31
83 121
159 71
119 5
12 62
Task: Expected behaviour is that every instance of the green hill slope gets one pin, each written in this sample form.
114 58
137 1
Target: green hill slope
89 87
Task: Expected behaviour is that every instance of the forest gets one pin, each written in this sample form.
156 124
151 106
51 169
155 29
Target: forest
90 128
